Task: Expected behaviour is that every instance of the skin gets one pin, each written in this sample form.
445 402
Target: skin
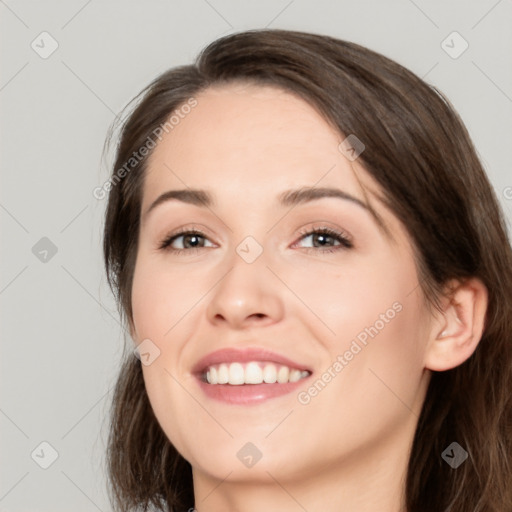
348 448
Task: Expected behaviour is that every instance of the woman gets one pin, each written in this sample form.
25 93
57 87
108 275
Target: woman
368 371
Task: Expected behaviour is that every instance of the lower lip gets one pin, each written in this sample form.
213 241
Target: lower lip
246 394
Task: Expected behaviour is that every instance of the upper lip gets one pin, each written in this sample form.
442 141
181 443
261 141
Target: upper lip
231 355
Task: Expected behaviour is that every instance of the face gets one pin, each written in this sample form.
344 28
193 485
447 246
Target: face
272 289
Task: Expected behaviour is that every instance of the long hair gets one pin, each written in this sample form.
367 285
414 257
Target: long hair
420 153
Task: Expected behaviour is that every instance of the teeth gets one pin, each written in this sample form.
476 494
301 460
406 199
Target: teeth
295 375
236 374
213 375
253 372
283 374
269 373
223 374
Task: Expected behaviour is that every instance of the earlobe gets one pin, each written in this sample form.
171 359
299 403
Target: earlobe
455 334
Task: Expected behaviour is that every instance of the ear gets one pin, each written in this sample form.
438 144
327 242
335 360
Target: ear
457 330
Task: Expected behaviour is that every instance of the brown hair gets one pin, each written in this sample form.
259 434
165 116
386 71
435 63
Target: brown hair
419 151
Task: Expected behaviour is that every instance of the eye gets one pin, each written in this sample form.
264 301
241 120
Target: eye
325 235
190 236
191 240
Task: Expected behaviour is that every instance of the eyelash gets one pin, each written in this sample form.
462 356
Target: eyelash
345 241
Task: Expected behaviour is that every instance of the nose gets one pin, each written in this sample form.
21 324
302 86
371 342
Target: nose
247 296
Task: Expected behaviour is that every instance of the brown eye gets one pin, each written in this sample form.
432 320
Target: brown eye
325 236
190 240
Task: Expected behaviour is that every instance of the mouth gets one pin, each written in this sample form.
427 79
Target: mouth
253 372
248 376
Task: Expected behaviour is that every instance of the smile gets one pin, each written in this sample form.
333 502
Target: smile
252 372
250 375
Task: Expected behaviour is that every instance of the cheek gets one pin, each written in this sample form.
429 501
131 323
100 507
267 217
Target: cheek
163 305
372 382
346 296
161 298
370 313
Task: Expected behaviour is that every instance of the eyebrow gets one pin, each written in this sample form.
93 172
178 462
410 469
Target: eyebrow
203 198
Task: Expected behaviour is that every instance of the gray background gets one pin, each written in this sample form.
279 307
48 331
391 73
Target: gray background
60 333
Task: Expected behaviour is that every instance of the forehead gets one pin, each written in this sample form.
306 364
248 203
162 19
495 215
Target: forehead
251 139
